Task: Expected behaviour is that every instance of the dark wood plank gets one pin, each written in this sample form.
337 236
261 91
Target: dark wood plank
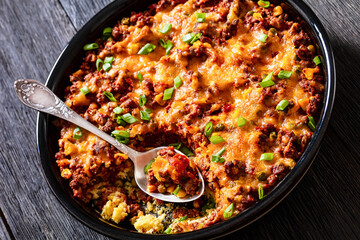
80 11
32 35
323 206
5 231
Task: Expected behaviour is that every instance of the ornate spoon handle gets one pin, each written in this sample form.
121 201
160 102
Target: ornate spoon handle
35 95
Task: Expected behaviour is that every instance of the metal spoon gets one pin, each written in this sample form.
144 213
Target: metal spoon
35 95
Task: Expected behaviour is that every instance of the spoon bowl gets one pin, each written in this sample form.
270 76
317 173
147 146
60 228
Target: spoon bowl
37 96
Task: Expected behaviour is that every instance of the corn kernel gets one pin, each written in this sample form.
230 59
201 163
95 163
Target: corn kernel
258 16
309 73
278 11
181 193
311 48
151 188
171 188
66 173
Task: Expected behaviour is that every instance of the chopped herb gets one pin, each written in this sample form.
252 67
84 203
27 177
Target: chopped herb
209 205
186 151
144 116
77 133
167 45
284 74
85 90
178 82
208 129
282 105
215 139
168 93
140 76
99 64
148 48
107 32
176 145
267 157
110 96
109 60
148 111
318 60
129 118
148 166
261 192
121 136
229 211
200 17
241 121
217 157
264 4
262 38
166 28
311 123
142 100
196 37
91 46
118 110
176 191
267 81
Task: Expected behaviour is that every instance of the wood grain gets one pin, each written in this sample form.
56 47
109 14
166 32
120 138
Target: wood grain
325 205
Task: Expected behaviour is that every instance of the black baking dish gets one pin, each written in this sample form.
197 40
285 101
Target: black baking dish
47 134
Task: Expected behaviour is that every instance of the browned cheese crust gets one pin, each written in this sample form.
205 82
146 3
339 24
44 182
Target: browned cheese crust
221 70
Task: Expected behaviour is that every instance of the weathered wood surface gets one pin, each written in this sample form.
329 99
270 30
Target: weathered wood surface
325 205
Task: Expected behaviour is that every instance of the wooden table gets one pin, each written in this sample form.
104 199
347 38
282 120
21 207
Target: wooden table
325 205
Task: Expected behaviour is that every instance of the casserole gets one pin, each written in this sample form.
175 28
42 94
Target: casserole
62 69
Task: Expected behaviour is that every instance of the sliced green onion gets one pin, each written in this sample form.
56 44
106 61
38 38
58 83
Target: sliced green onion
241 121
284 74
121 136
148 48
188 37
318 60
200 17
118 110
311 123
148 166
229 211
109 60
215 139
129 118
261 192
106 67
140 76
267 81
85 90
168 93
120 121
176 145
142 100
186 151
191 37
90 46
110 96
263 37
168 230
267 157
148 111
264 4
99 63
217 157
165 29
209 205
282 105
183 218
167 45
208 129
195 38
144 116
177 189
178 82
77 133
107 32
